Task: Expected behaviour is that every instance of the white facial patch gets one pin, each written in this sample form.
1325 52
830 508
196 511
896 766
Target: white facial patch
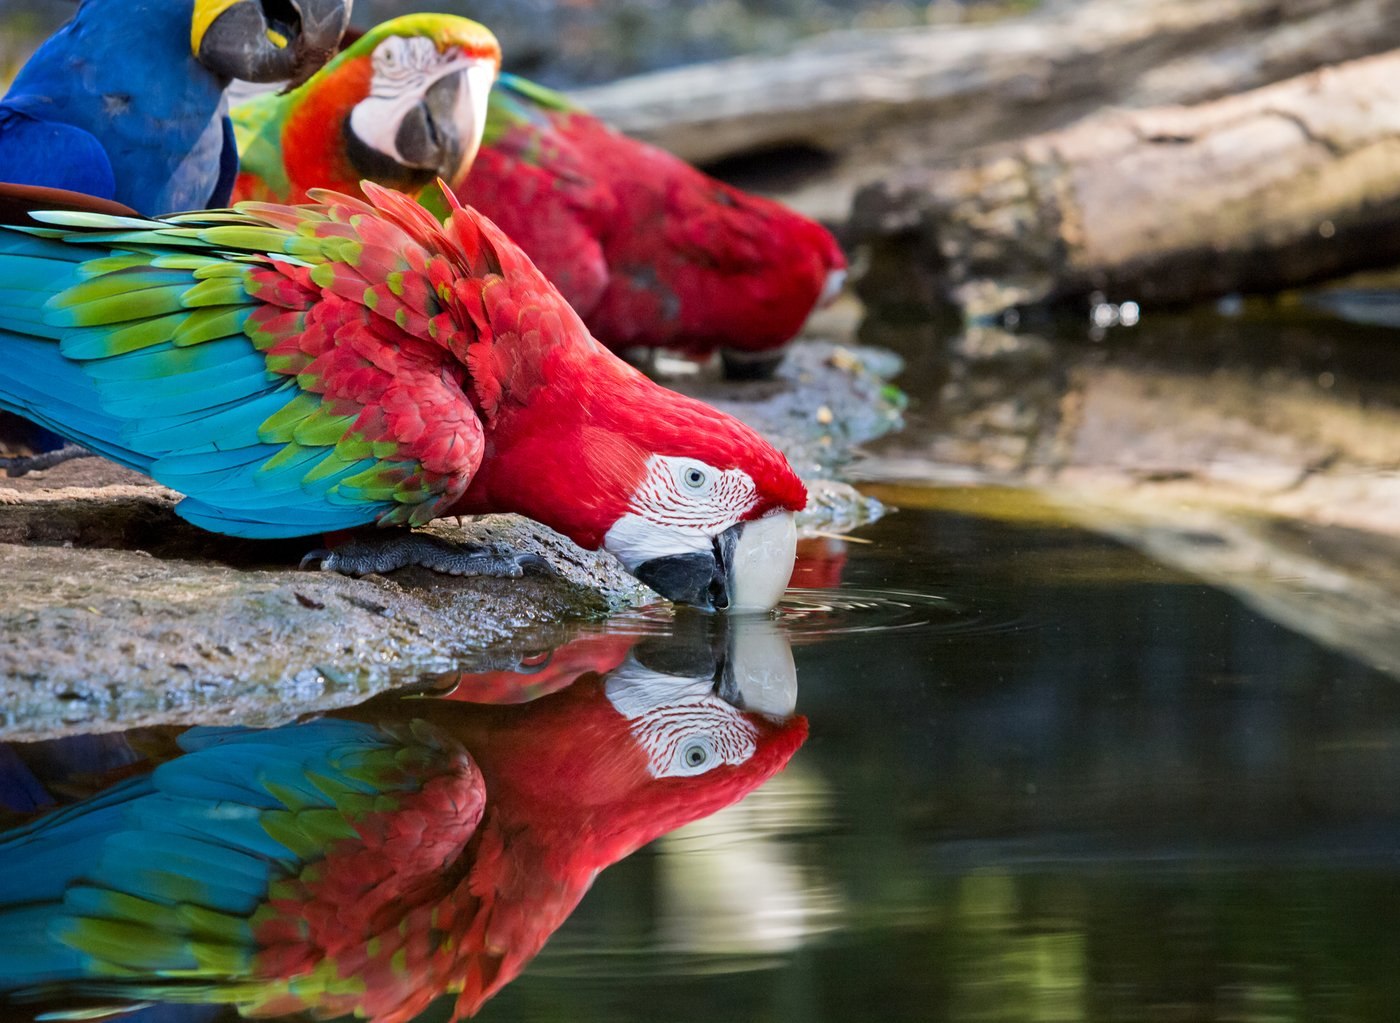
404 69
683 728
680 506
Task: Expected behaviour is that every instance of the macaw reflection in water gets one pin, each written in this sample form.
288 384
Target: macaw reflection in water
368 864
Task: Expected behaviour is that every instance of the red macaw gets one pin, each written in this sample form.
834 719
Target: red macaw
302 369
649 250
368 866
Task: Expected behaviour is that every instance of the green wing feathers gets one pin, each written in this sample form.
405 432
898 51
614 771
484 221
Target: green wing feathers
289 369
268 869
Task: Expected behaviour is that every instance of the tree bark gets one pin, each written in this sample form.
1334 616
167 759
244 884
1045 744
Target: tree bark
877 99
1279 187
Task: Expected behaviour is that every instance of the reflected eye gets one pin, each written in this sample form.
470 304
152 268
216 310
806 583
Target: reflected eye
694 478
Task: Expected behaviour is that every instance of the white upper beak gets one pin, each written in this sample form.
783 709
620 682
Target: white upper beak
760 565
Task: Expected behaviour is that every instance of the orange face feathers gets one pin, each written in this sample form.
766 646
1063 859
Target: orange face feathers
403 105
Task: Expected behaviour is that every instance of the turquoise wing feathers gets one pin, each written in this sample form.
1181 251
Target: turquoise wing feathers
252 360
165 886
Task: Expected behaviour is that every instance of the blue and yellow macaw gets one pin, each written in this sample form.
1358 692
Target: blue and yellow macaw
126 101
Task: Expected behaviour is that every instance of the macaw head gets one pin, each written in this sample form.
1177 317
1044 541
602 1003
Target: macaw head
688 722
685 726
693 502
402 105
708 518
267 40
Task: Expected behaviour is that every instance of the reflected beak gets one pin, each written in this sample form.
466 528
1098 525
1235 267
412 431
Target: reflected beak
747 570
759 674
267 40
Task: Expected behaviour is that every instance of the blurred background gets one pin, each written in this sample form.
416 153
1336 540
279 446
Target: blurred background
572 42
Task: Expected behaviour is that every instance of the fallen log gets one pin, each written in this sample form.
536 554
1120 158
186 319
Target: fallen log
876 99
1275 188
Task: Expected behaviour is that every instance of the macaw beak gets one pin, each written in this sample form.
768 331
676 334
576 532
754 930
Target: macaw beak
436 136
443 132
267 40
747 570
759 673
745 660
831 287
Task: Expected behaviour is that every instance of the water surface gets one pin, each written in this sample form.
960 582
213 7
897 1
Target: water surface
1046 779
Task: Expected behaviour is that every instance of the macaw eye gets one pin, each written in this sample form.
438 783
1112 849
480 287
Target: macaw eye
694 478
694 756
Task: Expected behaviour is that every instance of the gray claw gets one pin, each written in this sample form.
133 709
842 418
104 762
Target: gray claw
21 465
316 558
378 557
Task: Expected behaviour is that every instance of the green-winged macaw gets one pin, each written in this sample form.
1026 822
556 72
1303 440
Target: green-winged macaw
300 369
649 250
370 865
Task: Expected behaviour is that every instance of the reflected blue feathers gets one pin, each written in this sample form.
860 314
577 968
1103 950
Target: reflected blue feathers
190 832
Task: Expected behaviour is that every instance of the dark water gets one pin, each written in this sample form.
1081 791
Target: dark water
1061 783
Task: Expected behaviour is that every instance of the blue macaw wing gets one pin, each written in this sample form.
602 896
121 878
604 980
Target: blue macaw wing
34 151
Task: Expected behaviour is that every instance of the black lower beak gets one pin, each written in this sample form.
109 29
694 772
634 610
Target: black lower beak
274 40
700 579
428 138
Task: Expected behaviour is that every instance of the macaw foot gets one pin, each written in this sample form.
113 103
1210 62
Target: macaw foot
21 465
363 557
741 365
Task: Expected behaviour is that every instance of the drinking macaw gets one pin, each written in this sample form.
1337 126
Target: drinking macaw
126 101
302 369
369 866
648 249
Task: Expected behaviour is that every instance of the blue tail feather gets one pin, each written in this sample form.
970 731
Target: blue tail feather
188 415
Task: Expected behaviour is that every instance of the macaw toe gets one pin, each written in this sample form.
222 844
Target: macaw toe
24 464
366 557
